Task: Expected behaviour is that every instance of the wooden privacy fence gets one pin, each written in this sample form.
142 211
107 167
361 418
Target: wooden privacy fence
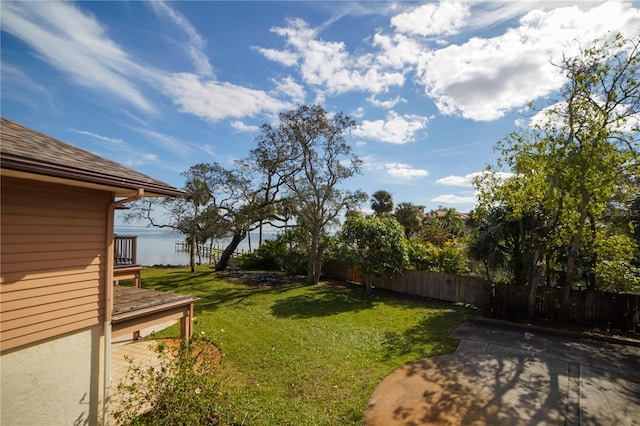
587 309
435 285
510 302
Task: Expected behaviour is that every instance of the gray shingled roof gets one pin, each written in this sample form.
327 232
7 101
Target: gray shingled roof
26 150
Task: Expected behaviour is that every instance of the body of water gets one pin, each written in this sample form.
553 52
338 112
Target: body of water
157 246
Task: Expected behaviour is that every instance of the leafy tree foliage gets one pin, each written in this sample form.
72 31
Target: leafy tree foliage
287 253
440 227
191 215
375 245
575 159
309 154
410 217
218 202
382 203
448 258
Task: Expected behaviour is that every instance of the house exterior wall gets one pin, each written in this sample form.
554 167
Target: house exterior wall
54 266
53 263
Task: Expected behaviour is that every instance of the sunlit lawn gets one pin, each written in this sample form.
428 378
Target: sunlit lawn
307 355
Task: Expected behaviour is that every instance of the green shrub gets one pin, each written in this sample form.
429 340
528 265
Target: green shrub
181 390
285 253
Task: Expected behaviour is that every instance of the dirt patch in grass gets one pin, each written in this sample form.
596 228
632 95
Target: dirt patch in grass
206 352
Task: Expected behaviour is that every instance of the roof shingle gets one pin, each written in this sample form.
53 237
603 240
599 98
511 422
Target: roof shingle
26 150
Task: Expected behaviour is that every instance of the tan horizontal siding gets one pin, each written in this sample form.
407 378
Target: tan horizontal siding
34 239
30 220
35 265
45 228
21 248
50 305
14 301
85 256
36 279
35 282
36 210
53 264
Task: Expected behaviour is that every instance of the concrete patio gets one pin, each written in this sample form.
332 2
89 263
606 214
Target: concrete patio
503 375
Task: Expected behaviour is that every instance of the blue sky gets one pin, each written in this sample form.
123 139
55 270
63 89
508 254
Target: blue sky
162 86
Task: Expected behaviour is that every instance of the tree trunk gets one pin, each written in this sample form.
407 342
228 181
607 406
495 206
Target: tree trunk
192 253
313 264
535 276
572 256
229 250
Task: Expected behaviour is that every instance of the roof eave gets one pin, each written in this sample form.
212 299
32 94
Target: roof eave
48 172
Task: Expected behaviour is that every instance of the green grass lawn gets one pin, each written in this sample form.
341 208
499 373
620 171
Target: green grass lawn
297 354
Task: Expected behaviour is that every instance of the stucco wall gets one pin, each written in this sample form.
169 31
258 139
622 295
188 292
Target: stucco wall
57 382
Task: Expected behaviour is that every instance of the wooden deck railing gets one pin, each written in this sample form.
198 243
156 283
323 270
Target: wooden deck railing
125 249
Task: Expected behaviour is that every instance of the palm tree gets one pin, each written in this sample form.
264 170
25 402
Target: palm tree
382 203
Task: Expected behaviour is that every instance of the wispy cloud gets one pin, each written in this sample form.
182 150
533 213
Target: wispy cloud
75 43
167 141
213 100
196 43
15 84
97 136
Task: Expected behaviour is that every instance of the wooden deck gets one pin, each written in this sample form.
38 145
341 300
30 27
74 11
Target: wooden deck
137 308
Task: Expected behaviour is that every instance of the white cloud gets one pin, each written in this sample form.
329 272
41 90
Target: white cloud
167 141
22 88
398 50
405 171
288 59
242 127
97 136
75 43
289 87
213 100
482 79
395 129
327 65
467 180
196 43
454 199
431 19
388 104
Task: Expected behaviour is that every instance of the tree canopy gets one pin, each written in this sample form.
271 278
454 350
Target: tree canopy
577 158
375 245
309 154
